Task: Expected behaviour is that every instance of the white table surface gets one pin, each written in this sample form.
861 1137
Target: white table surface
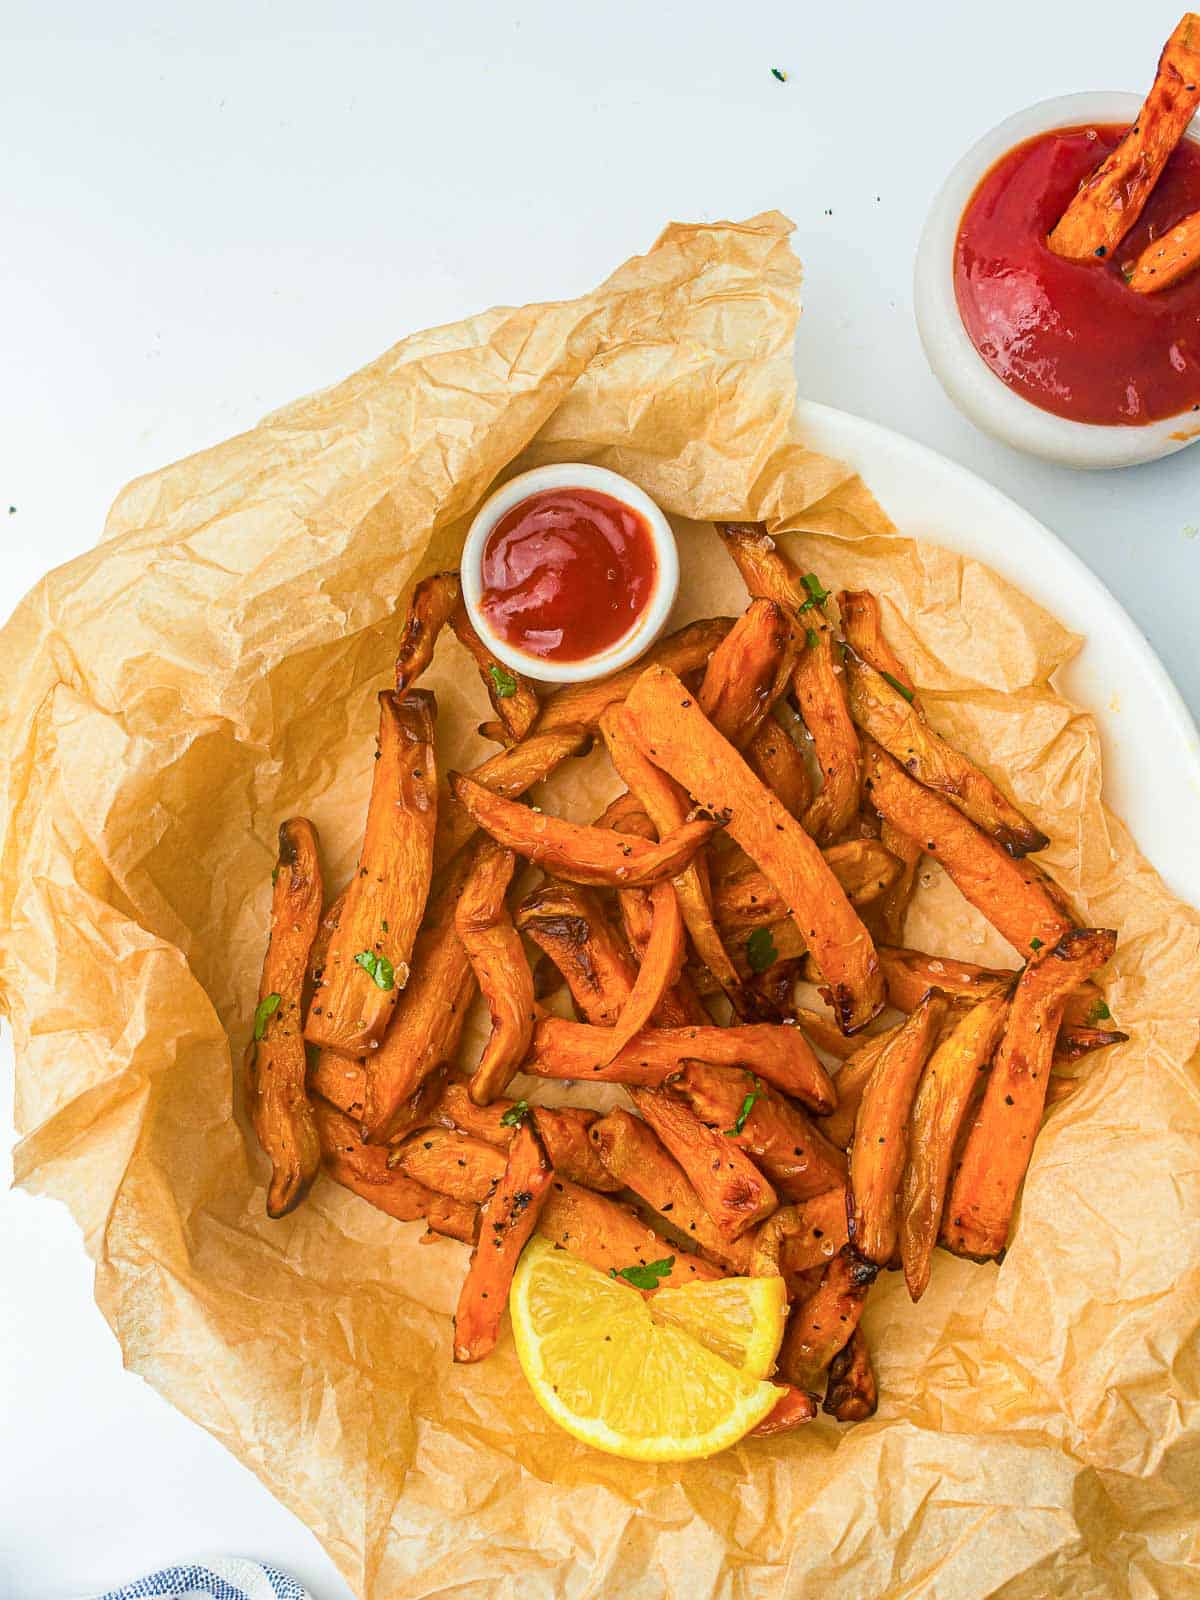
214 208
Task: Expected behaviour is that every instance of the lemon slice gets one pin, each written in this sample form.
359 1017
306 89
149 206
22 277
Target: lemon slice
739 1319
612 1375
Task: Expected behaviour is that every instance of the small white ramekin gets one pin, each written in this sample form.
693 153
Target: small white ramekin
572 475
961 370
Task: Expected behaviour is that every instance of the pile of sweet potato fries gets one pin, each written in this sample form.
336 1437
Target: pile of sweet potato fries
760 1136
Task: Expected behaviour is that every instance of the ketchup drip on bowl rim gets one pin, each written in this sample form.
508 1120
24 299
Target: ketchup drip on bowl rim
1071 336
567 573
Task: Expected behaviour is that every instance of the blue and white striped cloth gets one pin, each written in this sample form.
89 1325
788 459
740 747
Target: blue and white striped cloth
224 1578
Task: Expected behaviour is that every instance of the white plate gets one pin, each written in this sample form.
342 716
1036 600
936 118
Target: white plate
1150 744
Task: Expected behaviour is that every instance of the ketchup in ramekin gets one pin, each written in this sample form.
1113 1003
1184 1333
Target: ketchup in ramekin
1071 337
567 573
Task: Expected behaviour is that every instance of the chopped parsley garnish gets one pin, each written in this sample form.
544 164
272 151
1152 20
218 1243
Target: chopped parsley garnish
898 686
1035 944
644 1277
1098 1013
266 1008
760 950
747 1108
384 925
516 1113
812 638
503 682
377 967
816 592
274 875
779 74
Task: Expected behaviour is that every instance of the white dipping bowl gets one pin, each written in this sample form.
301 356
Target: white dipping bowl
961 370
643 633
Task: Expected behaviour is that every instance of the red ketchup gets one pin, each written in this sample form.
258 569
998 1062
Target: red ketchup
1071 336
567 573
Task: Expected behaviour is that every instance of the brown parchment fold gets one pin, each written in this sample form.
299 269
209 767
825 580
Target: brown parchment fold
210 668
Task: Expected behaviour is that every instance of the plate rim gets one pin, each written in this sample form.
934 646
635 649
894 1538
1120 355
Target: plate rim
860 441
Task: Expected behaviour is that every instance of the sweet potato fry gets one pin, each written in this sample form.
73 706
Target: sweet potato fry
1165 261
428 1021
660 968
822 1325
1014 897
748 672
851 1084
800 1237
452 1163
910 974
1109 202
590 1226
821 1232
497 959
570 924
745 898
667 806
275 1063
999 1145
676 735
824 1033
947 1087
612 1236
510 773
778 1137
637 1160
819 683
574 851
506 1220
563 1131
367 963
430 608
513 698
884 712
781 1055
683 652
792 1410
341 1080
728 1184
363 1169
774 757
880 1143
862 626
852 1393
887 915
326 928
1074 1042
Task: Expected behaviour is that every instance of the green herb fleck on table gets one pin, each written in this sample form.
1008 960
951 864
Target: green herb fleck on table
266 1008
503 682
760 950
378 968
646 1277
898 686
779 74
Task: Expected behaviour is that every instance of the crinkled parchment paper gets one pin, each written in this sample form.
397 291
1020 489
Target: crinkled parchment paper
210 668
